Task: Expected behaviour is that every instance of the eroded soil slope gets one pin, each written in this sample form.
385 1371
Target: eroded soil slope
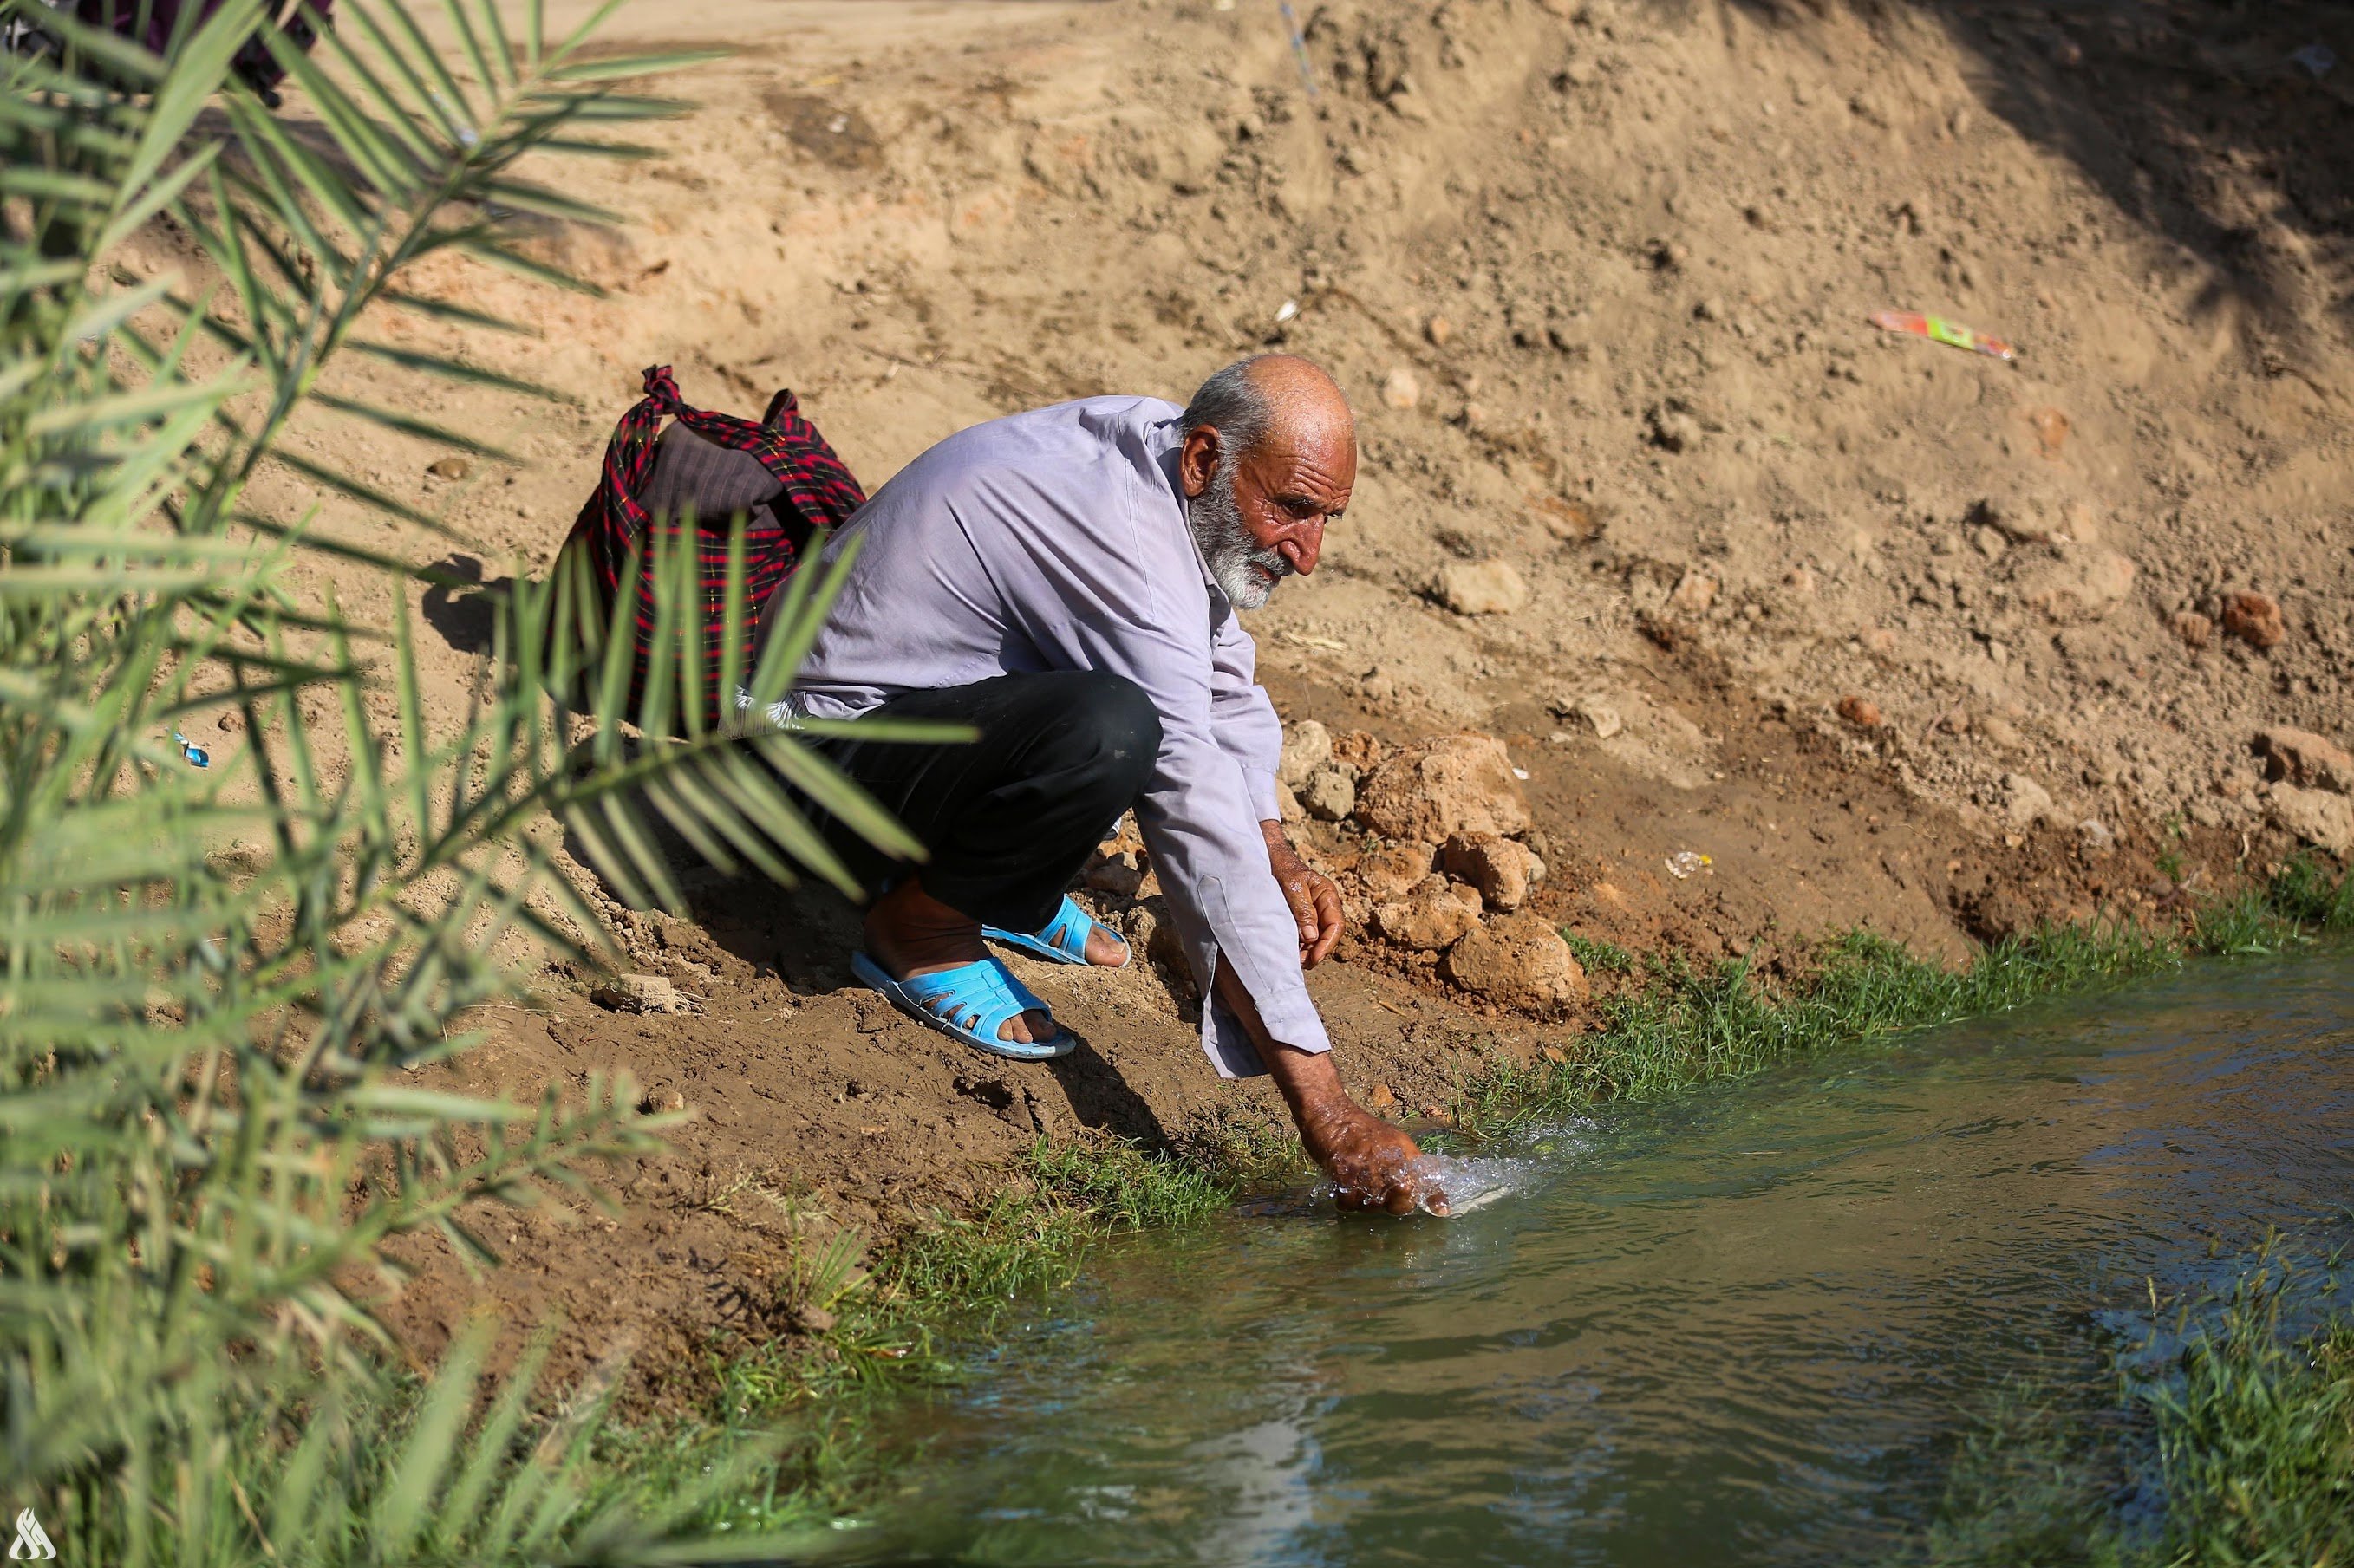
1897 635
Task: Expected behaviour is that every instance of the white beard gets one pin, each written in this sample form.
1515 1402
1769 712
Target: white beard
1246 575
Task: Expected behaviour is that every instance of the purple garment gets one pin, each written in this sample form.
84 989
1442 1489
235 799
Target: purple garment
1058 540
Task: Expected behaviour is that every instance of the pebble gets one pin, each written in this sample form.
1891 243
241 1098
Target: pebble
2025 801
2305 759
1595 710
1329 796
450 468
639 993
2255 620
1694 594
2194 629
1860 711
1438 330
1481 587
1400 388
2085 582
1307 748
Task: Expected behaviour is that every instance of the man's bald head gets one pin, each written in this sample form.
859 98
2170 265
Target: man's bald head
1269 457
1266 395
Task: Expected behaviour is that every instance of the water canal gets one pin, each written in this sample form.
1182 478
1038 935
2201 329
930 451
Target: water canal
1740 1328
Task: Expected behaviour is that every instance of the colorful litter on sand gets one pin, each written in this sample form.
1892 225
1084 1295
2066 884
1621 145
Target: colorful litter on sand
1937 329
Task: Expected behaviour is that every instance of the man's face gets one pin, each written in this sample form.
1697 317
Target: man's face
1258 515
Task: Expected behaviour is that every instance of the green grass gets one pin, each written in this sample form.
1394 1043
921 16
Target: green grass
1598 957
2248 1434
1689 1026
819 1398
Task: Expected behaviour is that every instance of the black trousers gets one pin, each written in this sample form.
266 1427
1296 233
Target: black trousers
1009 819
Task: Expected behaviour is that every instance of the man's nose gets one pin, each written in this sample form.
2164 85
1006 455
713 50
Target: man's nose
1300 547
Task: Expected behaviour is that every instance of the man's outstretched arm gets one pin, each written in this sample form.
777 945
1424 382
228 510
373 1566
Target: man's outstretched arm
1371 1162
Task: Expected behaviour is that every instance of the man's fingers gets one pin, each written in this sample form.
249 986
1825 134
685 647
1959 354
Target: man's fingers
1326 935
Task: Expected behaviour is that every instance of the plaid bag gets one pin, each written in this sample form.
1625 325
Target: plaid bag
618 542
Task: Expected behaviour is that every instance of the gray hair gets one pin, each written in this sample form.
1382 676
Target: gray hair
1233 403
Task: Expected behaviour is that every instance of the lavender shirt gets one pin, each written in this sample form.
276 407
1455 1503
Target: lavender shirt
1056 540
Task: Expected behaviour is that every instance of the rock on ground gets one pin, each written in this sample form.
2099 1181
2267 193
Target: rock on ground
639 993
1503 870
1391 874
1436 915
2317 816
2308 760
1694 594
1860 711
1307 747
1481 587
2255 619
1518 961
1445 784
2085 582
2025 802
1329 797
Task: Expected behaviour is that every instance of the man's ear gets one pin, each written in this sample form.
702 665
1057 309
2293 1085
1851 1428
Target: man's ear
1197 460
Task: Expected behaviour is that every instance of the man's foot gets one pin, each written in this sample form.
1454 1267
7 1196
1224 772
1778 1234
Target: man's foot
910 933
1105 952
1072 937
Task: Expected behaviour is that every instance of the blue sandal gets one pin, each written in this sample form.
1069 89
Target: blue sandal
971 1003
1065 940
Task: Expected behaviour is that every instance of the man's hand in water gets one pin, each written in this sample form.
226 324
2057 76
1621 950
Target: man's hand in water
1315 902
1371 1162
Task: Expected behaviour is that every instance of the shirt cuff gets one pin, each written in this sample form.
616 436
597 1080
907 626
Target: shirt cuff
1262 797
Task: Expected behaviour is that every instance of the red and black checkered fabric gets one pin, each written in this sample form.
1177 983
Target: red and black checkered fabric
617 534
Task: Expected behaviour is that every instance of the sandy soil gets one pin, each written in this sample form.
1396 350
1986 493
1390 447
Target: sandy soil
1598 275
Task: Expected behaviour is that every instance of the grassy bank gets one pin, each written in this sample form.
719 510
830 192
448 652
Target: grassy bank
932 1290
2236 1449
1685 1027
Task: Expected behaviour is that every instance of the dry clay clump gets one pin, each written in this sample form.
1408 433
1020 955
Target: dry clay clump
1449 875
2312 787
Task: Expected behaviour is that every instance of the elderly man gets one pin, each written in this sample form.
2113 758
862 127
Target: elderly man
1065 582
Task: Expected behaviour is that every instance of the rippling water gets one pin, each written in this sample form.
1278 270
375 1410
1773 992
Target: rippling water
1730 1329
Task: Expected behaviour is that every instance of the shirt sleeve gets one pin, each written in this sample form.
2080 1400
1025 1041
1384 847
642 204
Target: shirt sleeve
1115 594
1243 715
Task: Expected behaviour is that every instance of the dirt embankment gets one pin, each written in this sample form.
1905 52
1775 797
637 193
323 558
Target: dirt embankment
1894 634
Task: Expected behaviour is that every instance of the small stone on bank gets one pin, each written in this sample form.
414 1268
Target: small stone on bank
1860 711
1481 587
639 993
2305 760
1307 748
2255 620
2317 816
1329 797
